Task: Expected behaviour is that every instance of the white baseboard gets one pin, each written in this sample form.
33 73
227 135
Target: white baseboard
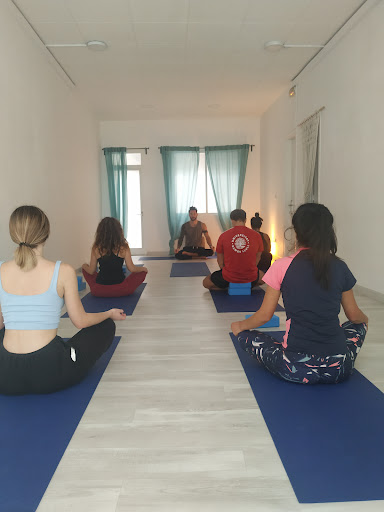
369 293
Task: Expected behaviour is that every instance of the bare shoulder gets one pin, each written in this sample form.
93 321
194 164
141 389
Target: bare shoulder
124 251
204 226
67 270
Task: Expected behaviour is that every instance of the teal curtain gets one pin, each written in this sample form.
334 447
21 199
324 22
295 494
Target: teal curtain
180 166
227 166
116 161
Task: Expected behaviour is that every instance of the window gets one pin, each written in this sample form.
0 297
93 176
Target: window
204 198
134 233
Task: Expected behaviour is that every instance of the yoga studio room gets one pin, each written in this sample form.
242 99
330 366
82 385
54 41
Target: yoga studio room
191 278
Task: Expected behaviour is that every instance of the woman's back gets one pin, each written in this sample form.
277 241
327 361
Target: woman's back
111 268
31 303
312 310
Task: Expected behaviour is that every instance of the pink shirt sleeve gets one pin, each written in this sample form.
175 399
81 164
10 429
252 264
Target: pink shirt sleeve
275 275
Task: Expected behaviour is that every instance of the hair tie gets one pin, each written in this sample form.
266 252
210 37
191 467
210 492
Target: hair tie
25 244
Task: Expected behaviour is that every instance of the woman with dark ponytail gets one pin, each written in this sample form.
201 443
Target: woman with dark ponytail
266 256
313 282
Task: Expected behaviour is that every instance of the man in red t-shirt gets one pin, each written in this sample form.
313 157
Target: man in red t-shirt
238 253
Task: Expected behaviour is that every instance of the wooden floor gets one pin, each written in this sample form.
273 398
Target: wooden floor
173 424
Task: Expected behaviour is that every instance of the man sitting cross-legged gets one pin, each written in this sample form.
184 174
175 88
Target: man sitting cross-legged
193 232
238 253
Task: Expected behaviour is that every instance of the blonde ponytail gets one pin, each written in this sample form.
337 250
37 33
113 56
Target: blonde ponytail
28 227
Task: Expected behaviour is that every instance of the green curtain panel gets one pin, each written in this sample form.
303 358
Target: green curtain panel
180 166
116 161
227 166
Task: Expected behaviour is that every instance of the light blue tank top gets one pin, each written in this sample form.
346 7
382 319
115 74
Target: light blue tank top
32 312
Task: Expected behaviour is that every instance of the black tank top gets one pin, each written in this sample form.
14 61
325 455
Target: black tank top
110 269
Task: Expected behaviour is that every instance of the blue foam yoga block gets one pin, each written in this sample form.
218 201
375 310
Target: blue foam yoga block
239 289
273 322
80 284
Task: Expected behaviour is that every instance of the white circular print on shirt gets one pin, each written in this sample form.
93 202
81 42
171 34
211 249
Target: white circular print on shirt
240 243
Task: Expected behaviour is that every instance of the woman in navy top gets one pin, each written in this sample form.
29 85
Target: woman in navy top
109 251
313 282
33 290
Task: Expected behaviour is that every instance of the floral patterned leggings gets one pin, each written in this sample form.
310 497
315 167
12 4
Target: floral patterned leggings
304 368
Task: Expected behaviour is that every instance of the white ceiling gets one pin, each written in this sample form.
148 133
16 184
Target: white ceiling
183 58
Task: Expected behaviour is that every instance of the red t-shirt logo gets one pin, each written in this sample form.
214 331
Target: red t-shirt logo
240 243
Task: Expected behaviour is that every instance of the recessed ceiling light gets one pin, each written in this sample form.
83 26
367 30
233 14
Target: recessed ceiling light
273 46
97 46
214 106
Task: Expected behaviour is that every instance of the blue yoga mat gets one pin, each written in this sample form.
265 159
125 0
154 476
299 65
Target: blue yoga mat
34 433
239 303
329 437
147 258
190 269
97 304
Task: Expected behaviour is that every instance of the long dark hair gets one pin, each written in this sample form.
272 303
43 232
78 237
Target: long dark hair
109 236
256 222
313 225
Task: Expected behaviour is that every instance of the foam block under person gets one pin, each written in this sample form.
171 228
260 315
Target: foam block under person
33 290
109 252
314 283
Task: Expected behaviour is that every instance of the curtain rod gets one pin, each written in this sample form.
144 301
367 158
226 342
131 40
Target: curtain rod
145 149
250 145
309 117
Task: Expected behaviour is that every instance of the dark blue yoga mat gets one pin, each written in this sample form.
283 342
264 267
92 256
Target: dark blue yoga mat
34 433
329 436
190 269
147 258
239 303
97 304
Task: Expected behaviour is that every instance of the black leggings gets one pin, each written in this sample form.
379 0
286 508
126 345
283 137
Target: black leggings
52 367
200 251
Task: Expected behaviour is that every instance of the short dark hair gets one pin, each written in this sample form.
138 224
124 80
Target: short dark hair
192 208
256 221
238 214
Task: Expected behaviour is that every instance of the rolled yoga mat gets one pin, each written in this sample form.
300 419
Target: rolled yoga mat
329 436
128 303
34 433
239 303
190 269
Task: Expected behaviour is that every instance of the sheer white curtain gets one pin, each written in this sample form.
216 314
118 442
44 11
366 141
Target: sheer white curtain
308 137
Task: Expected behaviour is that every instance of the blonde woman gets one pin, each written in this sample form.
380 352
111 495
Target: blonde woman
33 290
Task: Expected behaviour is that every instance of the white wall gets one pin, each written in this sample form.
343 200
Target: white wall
191 132
348 79
277 126
49 144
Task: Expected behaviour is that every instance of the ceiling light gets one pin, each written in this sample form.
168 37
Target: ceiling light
93 46
97 46
276 46
214 106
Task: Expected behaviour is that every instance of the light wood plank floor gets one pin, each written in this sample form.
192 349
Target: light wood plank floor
173 424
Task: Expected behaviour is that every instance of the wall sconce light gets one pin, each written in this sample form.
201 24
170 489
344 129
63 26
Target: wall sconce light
292 91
